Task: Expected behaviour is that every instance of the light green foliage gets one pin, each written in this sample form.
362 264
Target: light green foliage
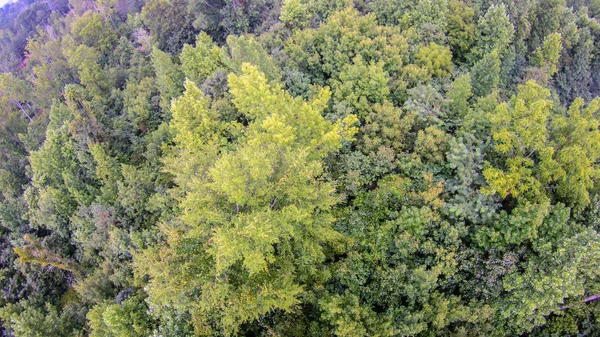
90 29
12 149
301 13
495 32
546 56
459 95
169 77
296 13
431 12
413 75
397 262
13 89
461 28
485 75
141 105
50 66
134 191
27 319
352 319
361 85
385 133
386 126
324 52
390 12
436 59
431 144
544 286
537 157
577 140
519 132
409 14
126 319
182 168
15 92
92 76
59 182
245 49
195 126
199 62
259 194
522 125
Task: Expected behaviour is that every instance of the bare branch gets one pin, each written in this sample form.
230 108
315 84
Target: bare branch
273 203
23 110
587 300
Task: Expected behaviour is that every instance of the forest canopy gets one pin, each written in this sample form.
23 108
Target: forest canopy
299 168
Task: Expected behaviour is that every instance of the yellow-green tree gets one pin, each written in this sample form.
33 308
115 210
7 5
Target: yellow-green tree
436 59
577 142
520 135
199 62
540 162
255 213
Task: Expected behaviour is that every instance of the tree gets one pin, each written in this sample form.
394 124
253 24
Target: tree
169 23
208 16
241 17
90 29
436 59
28 319
360 86
564 274
34 252
199 62
486 74
548 17
50 67
322 53
245 49
459 95
519 131
59 179
397 262
547 55
461 28
495 32
169 78
577 138
128 318
299 168
535 157
263 220
15 91
574 80
303 13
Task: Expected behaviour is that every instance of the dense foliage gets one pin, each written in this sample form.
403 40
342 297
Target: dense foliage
300 168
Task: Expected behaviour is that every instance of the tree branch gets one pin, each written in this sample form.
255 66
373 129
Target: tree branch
23 110
273 203
587 300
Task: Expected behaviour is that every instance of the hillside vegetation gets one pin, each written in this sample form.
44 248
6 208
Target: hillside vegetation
300 168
